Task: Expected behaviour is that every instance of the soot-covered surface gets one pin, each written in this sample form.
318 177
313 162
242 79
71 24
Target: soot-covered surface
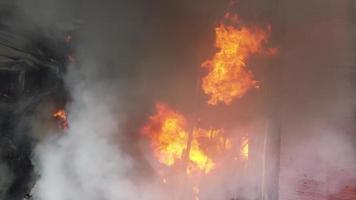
31 68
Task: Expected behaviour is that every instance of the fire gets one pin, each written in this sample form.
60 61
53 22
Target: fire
167 134
61 116
244 148
197 151
171 141
229 76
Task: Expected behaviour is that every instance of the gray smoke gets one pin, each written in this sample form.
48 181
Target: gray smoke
132 53
86 162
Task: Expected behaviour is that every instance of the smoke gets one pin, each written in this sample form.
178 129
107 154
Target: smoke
89 161
132 53
316 99
86 162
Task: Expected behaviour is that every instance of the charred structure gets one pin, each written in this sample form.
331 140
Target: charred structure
32 64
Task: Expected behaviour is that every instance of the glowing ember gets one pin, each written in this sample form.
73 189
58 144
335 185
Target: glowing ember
228 75
61 116
244 148
170 139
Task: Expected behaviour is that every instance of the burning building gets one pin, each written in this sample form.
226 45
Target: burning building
203 100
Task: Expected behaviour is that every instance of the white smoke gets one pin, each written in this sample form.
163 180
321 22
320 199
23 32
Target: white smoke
311 96
86 162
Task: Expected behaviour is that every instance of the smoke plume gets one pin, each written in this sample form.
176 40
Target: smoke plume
130 54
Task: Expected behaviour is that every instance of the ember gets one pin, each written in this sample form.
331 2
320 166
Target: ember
61 117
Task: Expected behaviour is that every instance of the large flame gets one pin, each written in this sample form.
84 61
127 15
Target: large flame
175 142
171 141
229 76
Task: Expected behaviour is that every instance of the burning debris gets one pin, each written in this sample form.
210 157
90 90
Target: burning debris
172 142
194 152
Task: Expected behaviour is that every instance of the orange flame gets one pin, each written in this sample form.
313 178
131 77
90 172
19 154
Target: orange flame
170 139
228 75
61 116
167 134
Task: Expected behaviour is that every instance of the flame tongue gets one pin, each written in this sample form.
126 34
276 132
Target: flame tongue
170 140
228 75
244 148
167 134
